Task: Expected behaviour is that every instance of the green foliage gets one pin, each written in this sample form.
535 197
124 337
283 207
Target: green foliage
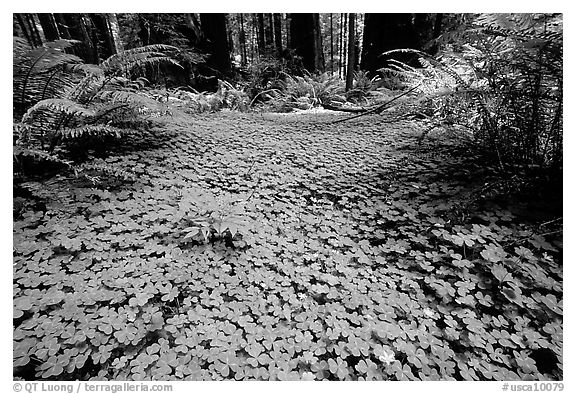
208 217
265 75
226 96
308 91
360 276
501 80
67 105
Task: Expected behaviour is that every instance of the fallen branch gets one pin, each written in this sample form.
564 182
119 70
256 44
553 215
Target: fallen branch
380 107
335 108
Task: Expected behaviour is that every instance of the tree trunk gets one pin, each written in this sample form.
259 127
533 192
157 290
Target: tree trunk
78 31
278 34
115 33
318 47
242 40
28 28
261 37
231 48
49 27
253 38
62 26
345 47
269 34
104 38
25 29
287 24
331 44
340 38
351 44
304 40
383 32
216 41
423 30
36 29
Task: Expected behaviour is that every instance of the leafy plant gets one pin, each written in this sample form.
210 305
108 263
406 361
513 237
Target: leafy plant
499 78
89 102
363 275
209 217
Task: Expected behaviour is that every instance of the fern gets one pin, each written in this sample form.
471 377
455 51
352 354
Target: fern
41 72
88 103
502 78
90 130
64 106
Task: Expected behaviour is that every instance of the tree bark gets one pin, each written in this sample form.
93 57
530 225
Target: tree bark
216 41
331 44
345 47
35 29
340 39
25 29
318 47
278 34
48 23
261 36
62 26
383 32
242 40
303 39
351 44
78 30
115 33
269 33
103 34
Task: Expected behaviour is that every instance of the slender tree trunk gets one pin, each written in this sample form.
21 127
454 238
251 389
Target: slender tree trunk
340 40
344 46
231 48
103 35
287 19
261 37
25 29
62 26
278 34
49 27
35 29
318 47
93 33
79 31
351 44
253 38
115 32
269 33
331 44
242 40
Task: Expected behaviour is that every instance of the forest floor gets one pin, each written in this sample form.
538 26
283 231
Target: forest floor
362 254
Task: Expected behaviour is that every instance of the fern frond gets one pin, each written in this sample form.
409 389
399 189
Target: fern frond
125 61
63 106
90 130
19 151
124 96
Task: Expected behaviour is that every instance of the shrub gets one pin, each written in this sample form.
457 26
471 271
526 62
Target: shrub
504 83
307 91
67 105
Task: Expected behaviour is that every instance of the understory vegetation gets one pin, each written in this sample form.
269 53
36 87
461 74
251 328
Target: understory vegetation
285 226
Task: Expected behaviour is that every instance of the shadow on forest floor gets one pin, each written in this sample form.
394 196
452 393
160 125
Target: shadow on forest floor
363 255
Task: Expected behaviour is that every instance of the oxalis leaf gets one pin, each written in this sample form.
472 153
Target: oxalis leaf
501 274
